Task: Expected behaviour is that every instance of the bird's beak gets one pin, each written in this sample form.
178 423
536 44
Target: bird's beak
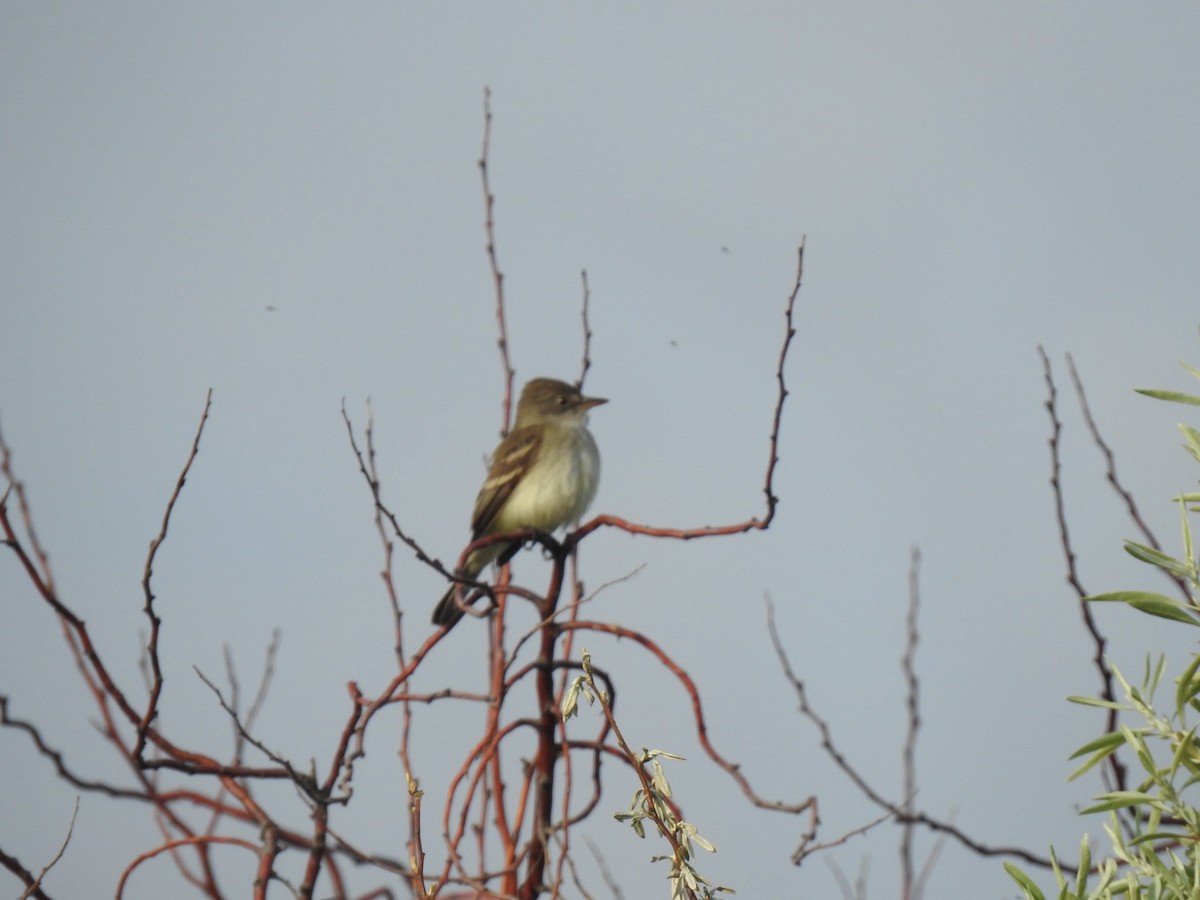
589 402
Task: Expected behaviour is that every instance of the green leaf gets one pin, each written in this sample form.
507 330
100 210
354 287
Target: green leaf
1137 742
1185 750
1153 836
1187 686
1154 604
1109 741
1189 551
1193 440
1154 676
1095 701
1172 609
1032 891
1097 757
1085 863
1170 396
1119 800
1158 558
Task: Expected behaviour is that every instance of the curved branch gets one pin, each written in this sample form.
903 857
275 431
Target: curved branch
731 768
751 524
193 841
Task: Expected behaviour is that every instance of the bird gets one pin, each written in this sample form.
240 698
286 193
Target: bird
543 475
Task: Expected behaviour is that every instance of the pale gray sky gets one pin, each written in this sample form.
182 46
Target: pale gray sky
973 180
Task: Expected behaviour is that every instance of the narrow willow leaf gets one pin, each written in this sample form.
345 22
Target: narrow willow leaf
1122 596
1157 558
1193 440
1185 750
1109 741
651 754
1187 686
1189 552
1172 609
1054 866
1032 891
1171 396
570 704
1154 604
1119 800
1135 740
1095 701
1162 836
658 779
1085 863
1090 763
1155 676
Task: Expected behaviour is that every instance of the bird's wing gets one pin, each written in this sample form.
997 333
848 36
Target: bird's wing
512 460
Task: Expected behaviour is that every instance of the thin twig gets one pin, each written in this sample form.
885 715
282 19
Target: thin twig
155 622
587 331
1110 472
1099 642
638 764
10 862
34 890
605 872
898 811
60 764
489 201
753 523
182 842
734 770
908 666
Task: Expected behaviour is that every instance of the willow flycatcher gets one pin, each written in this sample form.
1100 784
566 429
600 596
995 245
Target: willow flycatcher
543 475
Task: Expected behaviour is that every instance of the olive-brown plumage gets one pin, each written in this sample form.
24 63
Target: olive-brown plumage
543 475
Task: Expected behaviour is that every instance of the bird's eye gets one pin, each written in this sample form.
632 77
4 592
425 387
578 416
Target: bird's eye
561 399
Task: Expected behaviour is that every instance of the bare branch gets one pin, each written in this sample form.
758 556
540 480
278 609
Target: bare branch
182 842
1099 642
900 812
56 757
1110 467
34 890
155 622
734 770
908 666
587 331
369 474
489 201
26 877
772 459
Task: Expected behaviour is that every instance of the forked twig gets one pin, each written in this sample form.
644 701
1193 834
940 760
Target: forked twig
1099 641
753 523
902 812
1110 473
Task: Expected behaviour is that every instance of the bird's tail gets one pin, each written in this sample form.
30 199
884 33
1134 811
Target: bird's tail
448 612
